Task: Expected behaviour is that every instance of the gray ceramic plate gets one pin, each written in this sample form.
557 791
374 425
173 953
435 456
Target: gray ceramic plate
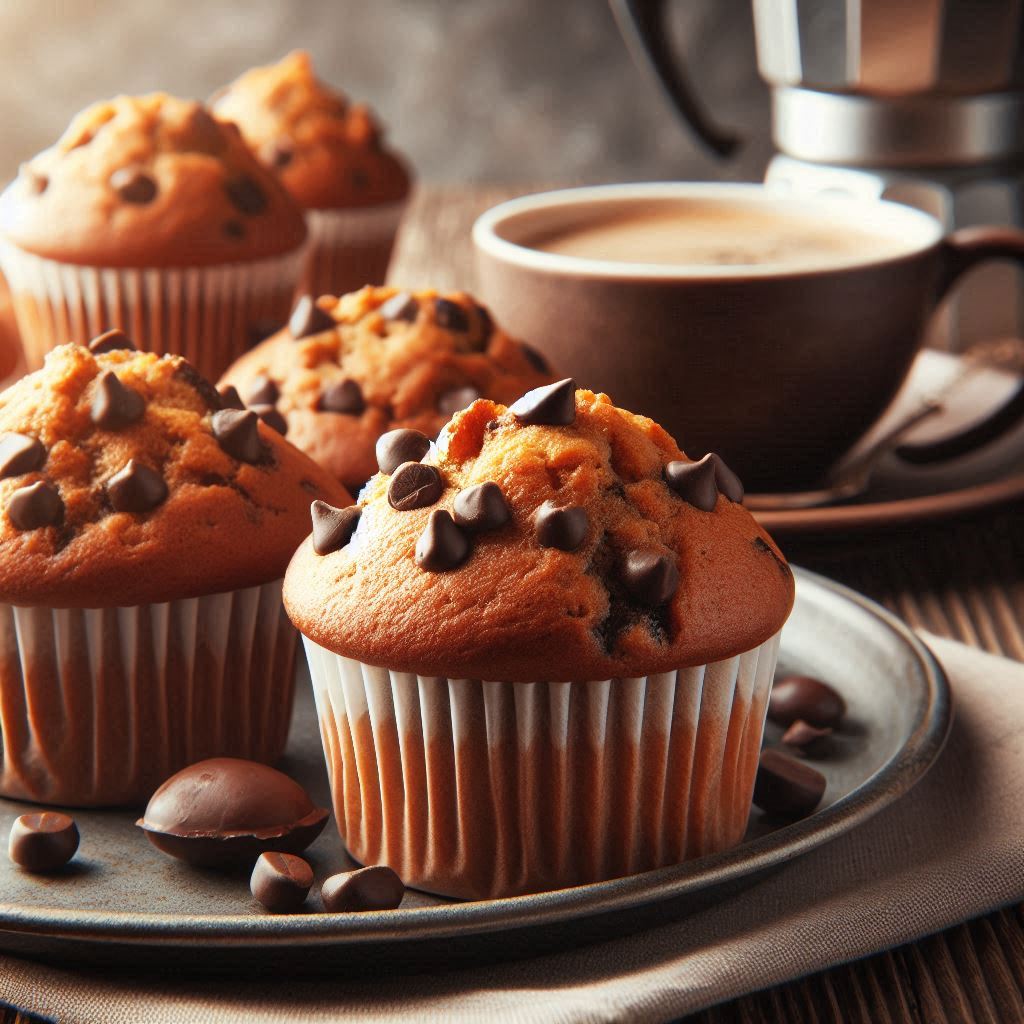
121 900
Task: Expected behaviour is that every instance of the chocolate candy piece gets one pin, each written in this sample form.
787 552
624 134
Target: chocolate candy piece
270 415
113 405
414 485
398 446
230 398
450 315
43 841
136 488
803 697
651 578
551 405
344 397
281 882
246 195
228 811
20 454
111 341
400 307
457 399
133 185
806 737
481 507
373 888
560 527
694 482
332 527
442 545
728 482
308 318
237 433
786 787
34 506
534 358
262 391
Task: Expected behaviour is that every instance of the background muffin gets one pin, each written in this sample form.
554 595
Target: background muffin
347 370
150 215
330 155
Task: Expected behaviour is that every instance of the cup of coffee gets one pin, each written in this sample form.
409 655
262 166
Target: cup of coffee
770 328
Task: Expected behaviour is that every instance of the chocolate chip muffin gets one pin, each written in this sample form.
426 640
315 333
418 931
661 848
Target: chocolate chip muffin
348 370
542 651
150 215
330 155
144 533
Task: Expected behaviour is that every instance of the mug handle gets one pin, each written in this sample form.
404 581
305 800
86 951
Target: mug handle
960 252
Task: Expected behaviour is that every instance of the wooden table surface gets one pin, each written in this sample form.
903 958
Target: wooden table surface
960 578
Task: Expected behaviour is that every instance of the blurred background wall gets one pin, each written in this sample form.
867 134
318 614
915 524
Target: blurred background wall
471 90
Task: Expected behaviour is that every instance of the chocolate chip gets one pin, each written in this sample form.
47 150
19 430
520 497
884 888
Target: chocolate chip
20 454
802 697
281 882
273 418
806 737
398 446
332 527
113 405
233 229
414 485
246 195
262 391
308 318
43 841
238 434
450 315
372 888
651 578
551 405
360 179
133 185
400 307
694 482
34 506
230 398
136 488
481 507
728 482
344 397
276 153
534 358
786 787
562 527
486 323
442 545
111 341
194 379
457 399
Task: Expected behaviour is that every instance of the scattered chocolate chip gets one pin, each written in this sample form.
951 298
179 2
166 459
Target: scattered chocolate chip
113 405
398 446
194 379
534 358
35 182
230 398
373 888
481 507
442 545
133 185
401 306
332 527
233 229
414 485
281 882
308 318
457 399
694 482
246 195
111 341
551 405
802 697
786 787
20 454
276 153
43 841
34 506
562 527
806 737
272 416
728 482
228 811
136 488
238 434
486 323
262 391
450 315
344 397
651 578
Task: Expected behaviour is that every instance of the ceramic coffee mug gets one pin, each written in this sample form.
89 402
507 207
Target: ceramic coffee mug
776 336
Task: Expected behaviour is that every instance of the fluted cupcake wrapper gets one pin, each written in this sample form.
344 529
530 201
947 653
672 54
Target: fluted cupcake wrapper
481 789
210 315
99 705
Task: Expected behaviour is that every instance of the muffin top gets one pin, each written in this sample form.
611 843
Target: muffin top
328 152
123 482
347 370
561 539
149 181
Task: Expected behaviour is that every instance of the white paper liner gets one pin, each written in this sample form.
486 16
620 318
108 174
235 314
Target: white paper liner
484 789
209 315
98 706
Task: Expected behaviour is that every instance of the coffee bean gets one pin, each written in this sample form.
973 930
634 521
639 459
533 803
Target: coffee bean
344 397
808 738
414 485
456 400
801 697
372 888
398 446
728 482
262 391
43 841
308 318
20 454
560 527
111 341
651 578
246 195
551 405
238 434
450 315
694 482
230 398
136 488
534 358
401 306
332 527
281 882
481 507
113 405
786 787
35 506
276 153
133 185
273 418
442 545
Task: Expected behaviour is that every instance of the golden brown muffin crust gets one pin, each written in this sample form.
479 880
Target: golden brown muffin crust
149 181
516 610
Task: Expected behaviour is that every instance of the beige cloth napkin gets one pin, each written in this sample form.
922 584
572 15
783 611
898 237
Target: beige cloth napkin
951 850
